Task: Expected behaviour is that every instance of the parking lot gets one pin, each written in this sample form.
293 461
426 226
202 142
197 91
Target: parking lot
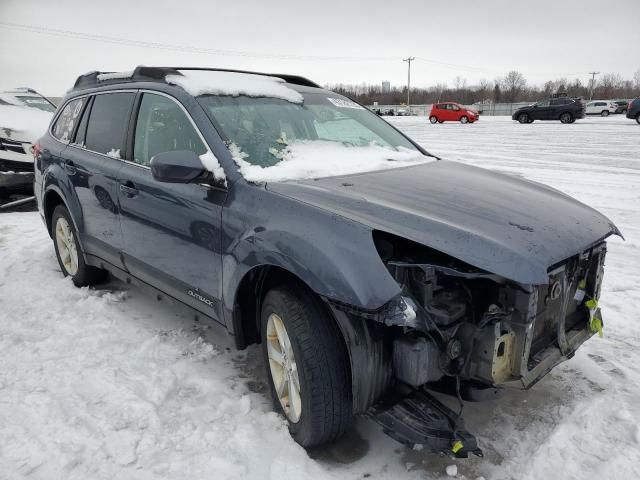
110 383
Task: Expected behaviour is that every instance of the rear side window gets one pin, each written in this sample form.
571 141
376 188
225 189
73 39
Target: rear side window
68 119
162 126
108 123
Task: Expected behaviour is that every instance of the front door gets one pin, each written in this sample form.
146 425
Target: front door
172 237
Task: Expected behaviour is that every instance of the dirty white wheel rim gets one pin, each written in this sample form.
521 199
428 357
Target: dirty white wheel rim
66 246
283 367
464 119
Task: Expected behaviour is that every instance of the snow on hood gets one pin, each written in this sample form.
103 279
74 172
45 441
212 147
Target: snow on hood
315 159
27 124
234 84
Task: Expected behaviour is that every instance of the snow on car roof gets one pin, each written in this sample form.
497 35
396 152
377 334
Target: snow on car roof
234 84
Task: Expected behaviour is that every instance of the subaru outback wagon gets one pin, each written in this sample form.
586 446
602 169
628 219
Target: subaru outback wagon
371 272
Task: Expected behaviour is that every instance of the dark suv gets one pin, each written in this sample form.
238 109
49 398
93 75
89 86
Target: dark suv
633 110
565 109
367 269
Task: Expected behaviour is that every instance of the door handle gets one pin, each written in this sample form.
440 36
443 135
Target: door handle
69 166
129 189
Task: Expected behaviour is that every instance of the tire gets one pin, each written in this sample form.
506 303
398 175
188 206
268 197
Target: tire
638 118
325 407
68 252
566 117
523 118
433 119
604 113
464 119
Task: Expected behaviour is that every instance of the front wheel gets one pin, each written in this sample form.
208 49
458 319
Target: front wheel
433 119
566 118
307 366
68 253
523 118
464 119
638 118
604 113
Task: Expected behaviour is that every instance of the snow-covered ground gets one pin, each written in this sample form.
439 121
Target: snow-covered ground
104 384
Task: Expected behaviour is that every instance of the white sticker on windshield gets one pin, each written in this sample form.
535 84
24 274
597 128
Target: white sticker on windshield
344 103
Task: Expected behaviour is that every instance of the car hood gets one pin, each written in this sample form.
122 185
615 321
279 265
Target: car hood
499 223
23 124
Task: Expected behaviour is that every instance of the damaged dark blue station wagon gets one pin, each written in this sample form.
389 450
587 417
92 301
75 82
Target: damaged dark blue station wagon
368 286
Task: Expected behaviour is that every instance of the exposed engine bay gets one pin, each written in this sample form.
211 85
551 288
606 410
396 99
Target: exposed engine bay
467 332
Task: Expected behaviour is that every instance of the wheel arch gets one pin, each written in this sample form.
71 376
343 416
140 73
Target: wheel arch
53 197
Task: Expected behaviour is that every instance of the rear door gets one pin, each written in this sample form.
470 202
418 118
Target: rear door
172 235
92 162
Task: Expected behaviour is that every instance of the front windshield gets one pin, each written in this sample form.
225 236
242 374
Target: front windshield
36 102
263 128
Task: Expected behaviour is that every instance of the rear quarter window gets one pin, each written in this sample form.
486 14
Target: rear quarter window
68 119
108 123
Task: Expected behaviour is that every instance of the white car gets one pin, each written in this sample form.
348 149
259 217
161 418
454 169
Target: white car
600 107
24 117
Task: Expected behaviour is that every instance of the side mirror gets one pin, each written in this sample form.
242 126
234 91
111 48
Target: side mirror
179 166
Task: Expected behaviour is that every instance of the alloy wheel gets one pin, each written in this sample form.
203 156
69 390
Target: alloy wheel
66 246
283 368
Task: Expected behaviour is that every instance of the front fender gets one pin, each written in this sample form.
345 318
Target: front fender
336 257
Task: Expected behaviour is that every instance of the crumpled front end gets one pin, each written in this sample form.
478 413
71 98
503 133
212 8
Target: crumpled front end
463 331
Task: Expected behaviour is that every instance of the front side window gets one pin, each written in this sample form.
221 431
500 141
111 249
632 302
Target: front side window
162 126
265 129
108 123
543 103
68 119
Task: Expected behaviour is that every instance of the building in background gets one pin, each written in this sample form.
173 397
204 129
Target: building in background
386 86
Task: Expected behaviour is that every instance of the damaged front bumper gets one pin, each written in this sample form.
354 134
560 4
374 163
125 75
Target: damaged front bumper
432 336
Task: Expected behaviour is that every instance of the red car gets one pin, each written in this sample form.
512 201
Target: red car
452 112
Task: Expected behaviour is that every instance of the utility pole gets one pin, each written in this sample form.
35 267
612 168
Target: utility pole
409 60
593 83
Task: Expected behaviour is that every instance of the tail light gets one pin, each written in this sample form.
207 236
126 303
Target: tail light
36 150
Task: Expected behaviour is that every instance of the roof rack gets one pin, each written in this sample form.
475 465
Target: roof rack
158 74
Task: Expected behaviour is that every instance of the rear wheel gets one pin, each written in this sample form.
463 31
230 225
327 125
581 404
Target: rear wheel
307 366
433 119
68 253
523 118
604 113
464 119
566 117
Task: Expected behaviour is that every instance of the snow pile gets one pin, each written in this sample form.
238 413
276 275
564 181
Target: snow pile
318 158
211 163
234 84
103 77
28 123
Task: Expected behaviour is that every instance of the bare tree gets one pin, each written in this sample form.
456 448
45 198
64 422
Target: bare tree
636 79
513 84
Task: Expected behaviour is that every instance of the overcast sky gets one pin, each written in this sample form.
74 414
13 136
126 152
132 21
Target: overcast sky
330 41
